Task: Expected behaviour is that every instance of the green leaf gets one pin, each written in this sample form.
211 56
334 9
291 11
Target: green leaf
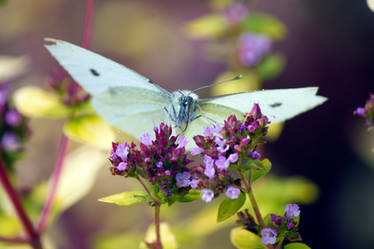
244 239
265 25
229 207
206 27
2 2
191 196
115 241
127 198
35 102
271 66
90 129
256 174
168 239
296 246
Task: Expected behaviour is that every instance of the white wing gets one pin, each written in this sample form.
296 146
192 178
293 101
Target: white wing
279 105
131 109
94 72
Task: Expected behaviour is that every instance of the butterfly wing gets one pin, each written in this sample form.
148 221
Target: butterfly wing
131 109
121 96
279 104
94 72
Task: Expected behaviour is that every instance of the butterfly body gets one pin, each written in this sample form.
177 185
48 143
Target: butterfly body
135 104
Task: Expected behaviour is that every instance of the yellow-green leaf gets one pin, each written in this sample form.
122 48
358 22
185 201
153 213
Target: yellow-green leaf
127 198
116 241
33 101
191 196
271 66
265 25
206 27
229 207
249 82
296 246
256 174
78 176
90 129
12 66
167 237
244 239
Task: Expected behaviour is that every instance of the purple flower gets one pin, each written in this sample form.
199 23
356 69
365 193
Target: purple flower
209 171
122 151
10 141
222 146
235 13
292 210
233 158
290 225
212 129
232 192
146 139
159 164
13 118
269 236
359 111
182 142
196 151
222 163
122 166
208 161
194 183
207 195
255 155
183 179
252 48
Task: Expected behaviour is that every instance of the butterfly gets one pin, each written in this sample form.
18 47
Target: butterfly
135 104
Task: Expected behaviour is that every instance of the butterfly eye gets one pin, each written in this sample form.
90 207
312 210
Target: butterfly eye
186 103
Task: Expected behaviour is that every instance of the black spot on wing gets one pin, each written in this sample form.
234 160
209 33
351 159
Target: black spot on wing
94 72
277 104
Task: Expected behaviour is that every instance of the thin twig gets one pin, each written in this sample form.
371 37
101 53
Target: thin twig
14 198
86 43
157 227
55 181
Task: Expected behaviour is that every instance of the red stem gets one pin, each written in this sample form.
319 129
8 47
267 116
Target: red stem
55 181
14 198
14 240
86 43
157 227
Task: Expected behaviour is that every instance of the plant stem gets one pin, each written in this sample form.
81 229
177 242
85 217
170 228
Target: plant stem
55 181
251 197
280 243
14 240
86 43
157 227
14 198
156 202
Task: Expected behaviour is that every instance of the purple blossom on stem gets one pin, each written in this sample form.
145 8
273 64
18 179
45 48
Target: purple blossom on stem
269 236
122 151
196 151
146 139
122 166
207 195
367 111
13 118
182 142
222 163
183 179
10 141
232 192
252 48
292 210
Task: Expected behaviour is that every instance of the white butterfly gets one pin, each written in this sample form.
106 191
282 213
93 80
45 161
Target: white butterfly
134 104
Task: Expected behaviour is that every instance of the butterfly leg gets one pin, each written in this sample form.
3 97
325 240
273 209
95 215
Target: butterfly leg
206 117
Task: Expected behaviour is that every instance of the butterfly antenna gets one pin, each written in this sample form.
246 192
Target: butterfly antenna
238 77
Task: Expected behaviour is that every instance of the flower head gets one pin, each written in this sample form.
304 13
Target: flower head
235 13
146 139
183 179
367 111
207 195
269 236
232 192
292 210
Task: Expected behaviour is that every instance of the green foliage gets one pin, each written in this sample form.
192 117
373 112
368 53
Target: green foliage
263 168
244 239
296 246
90 129
3 2
127 240
191 196
206 27
229 207
266 25
271 66
127 198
